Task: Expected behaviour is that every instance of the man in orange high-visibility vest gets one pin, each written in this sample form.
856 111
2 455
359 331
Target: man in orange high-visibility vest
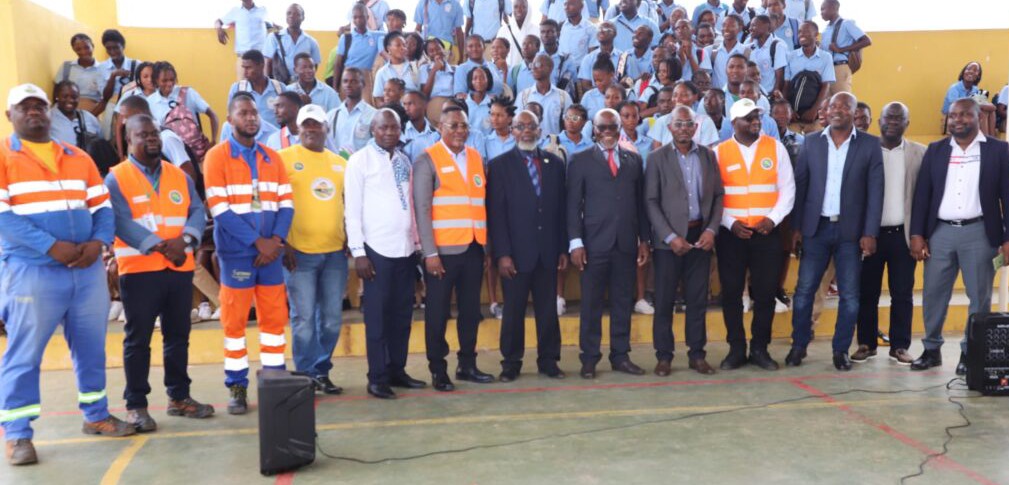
759 193
159 222
449 189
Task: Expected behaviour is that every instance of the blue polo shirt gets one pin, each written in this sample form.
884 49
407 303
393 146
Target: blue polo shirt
487 22
625 31
363 48
848 34
819 62
443 17
305 43
264 101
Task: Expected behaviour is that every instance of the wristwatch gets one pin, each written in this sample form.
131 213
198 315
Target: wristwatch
190 240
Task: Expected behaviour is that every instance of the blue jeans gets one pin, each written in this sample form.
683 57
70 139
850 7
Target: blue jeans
315 290
34 300
816 254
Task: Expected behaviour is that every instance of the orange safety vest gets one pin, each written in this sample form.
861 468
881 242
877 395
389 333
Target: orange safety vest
749 194
167 210
458 210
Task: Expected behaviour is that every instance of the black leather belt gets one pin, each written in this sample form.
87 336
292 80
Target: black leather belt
891 229
830 218
962 222
838 63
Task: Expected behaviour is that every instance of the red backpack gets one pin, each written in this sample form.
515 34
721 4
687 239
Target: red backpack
184 123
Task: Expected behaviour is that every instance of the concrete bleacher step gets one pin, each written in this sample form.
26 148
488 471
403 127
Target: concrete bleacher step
206 339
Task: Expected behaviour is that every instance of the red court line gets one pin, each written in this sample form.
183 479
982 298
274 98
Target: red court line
589 387
285 479
944 461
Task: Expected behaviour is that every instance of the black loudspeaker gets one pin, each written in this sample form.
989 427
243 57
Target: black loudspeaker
988 354
286 421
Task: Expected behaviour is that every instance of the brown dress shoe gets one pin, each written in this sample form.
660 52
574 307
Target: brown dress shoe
863 353
110 426
190 408
663 368
21 452
902 356
701 366
628 367
141 420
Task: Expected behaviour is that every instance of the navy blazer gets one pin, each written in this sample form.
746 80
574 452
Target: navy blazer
994 189
861 186
607 212
521 225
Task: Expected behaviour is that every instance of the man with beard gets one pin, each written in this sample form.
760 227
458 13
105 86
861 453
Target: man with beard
527 231
250 200
608 231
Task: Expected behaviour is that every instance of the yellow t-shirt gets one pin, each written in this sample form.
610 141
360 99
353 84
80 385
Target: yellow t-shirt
317 187
44 151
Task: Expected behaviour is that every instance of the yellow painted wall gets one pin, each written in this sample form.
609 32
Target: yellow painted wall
914 67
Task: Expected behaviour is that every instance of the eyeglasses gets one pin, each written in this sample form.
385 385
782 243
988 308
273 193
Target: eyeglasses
610 127
683 124
525 126
456 126
573 117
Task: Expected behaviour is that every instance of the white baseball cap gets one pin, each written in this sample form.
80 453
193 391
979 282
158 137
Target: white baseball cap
22 92
311 112
742 108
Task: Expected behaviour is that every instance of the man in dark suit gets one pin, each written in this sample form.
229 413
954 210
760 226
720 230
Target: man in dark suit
525 213
959 222
608 231
684 235
828 225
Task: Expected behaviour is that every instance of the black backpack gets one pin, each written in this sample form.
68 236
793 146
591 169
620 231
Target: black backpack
101 151
804 89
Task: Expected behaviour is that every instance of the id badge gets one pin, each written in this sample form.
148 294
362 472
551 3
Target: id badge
149 222
256 204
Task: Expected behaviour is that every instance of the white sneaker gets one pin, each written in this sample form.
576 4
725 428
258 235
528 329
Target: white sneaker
497 310
204 311
115 310
644 308
194 316
216 315
780 307
562 305
747 304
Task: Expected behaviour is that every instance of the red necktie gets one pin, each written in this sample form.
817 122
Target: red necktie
613 163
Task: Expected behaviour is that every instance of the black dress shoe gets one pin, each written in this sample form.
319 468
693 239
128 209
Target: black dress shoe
842 361
628 367
961 367
552 372
588 371
734 360
928 359
473 374
405 381
762 359
381 391
508 375
441 382
326 386
795 356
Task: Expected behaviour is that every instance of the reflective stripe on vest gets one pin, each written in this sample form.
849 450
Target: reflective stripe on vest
750 195
168 209
458 213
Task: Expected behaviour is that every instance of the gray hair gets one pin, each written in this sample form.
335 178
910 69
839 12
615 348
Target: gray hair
611 111
903 109
530 113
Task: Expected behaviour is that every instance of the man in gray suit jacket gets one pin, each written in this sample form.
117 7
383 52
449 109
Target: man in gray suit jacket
683 199
901 161
838 160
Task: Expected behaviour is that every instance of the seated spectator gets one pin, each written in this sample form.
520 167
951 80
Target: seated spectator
142 86
311 90
86 73
437 79
396 68
967 87
69 124
474 54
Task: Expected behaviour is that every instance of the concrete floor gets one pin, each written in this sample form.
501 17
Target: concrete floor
686 428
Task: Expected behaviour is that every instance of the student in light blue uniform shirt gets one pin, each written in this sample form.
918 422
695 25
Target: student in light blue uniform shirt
502 111
575 39
552 100
474 52
252 65
631 125
605 37
250 27
441 19
365 44
720 9
352 128
627 22
168 92
847 36
555 10
800 9
292 46
442 84
379 9
478 100
306 84
64 124
769 53
964 87
398 67
487 22
819 62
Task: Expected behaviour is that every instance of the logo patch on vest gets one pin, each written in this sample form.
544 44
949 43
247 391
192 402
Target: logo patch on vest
299 166
766 164
323 189
175 196
239 275
478 181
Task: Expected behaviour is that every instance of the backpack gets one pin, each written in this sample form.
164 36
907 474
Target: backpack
566 79
101 151
279 68
804 88
854 57
198 181
184 123
554 147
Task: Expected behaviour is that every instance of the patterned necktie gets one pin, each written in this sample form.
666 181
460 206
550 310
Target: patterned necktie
613 163
533 174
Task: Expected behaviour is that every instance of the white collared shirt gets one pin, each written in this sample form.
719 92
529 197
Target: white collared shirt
836 156
378 206
961 198
459 159
894 172
785 184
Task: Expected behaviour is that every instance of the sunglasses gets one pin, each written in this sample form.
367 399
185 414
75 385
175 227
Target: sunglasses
609 127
